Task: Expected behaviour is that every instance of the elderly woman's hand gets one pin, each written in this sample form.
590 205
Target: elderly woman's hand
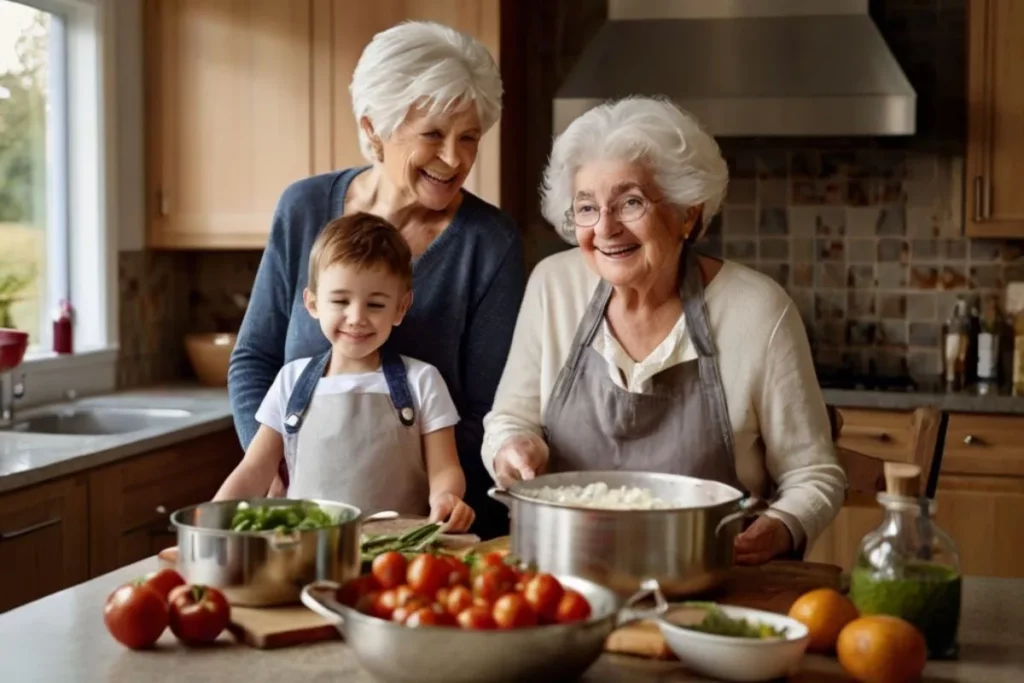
520 458
766 538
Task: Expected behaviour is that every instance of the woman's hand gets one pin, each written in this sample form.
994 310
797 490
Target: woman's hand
520 458
765 539
448 506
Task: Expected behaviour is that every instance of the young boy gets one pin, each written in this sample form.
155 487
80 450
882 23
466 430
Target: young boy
359 424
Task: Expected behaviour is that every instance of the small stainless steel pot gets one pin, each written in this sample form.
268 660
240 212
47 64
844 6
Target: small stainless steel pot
687 549
266 568
394 653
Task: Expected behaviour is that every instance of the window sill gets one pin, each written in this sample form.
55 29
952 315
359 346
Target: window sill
47 361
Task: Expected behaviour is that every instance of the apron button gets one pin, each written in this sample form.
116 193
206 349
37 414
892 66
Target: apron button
292 420
407 414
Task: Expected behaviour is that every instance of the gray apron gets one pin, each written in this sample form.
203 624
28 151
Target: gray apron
357 448
680 427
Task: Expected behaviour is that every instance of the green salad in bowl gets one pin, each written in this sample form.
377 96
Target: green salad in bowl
298 516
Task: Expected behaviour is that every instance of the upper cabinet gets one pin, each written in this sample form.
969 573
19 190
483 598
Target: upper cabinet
995 101
245 97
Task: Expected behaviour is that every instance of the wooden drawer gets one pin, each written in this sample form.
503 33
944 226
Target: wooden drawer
135 498
44 544
883 434
984 444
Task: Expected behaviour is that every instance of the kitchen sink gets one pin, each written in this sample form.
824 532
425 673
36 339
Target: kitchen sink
98 420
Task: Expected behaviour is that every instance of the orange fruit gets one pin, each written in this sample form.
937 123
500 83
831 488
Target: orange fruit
882 649
824 612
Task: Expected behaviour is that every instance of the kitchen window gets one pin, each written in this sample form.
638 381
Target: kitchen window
57 239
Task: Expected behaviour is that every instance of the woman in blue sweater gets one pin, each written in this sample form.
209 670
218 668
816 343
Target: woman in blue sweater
423 94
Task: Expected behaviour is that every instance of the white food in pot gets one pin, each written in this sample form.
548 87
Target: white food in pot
599 495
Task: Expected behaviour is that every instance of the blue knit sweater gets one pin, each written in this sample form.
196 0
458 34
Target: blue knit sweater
467 288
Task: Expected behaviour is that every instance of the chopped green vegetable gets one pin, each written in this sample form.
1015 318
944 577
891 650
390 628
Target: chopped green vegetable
716 622
300 516
415 540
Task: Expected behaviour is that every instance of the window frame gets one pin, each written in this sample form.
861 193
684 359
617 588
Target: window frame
82 234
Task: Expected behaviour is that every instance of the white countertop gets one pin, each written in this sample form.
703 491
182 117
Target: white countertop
27 458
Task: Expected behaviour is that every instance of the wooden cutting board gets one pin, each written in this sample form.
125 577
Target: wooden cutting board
288 625
772 587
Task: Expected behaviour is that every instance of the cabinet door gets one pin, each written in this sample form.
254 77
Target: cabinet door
229 117
982 515
995 100
131 501
352 28
43 540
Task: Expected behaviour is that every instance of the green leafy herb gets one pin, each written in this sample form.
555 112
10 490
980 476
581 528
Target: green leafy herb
300 516
718 623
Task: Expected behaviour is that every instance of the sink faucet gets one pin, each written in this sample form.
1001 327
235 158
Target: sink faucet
10 391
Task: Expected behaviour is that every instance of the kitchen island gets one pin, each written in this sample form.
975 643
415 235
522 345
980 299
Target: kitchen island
62 638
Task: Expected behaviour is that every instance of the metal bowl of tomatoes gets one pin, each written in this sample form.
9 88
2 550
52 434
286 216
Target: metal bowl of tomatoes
438 618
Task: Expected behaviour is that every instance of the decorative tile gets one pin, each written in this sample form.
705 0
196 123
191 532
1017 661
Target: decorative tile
862 221
773 164
803 275
831 222
1013 273
712 246
804 300
829 306
924 365
890 249
987 277
952 278
861 250
776 271
892 333
921 222
860 277
831 250
737 222
804 192
774 249
803 221
891 275
921 307
773 222
985 250
741 249
953 250
924 278
801 249
773 192
925 334
742 164
892 221
1012 251
892 306
831 275
860 303
923 251
742 191
861 332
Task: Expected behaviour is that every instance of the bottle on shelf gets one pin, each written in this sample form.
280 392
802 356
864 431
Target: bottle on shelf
908 567
990 343
956 343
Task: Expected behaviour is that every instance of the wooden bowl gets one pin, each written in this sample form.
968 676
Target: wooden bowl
210 355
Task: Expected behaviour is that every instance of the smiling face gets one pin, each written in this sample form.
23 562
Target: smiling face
626 253
429 156
357 307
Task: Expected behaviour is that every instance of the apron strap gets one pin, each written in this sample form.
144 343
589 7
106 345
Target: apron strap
585 332
698 325
398 386
302 392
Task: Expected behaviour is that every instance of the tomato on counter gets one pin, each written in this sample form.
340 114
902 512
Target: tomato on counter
163 581
135 615
198 614
488 592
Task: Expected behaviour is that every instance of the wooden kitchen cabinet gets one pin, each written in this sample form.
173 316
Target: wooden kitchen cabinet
244 97
44 541
980 496
131 501
995 130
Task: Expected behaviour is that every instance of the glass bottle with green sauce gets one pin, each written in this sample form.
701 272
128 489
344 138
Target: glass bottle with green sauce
908 567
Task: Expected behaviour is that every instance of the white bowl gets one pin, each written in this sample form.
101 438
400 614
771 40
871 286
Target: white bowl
740 659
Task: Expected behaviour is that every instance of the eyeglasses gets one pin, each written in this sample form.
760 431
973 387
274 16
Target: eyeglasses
586 214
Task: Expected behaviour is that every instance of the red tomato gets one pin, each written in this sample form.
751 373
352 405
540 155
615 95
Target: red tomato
402 612
544 593
384 605
524 578
458 571
135 615
367 603
427 573
163 581
198 613
442 615
476 618
572 607
389 569
512 611
403 594
493 582
459 598
441 597
422 617
493 559
351 591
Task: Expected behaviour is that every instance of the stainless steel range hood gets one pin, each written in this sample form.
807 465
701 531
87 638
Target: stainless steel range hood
748 68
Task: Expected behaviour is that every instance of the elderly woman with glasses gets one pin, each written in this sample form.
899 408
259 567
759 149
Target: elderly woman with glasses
634 352
423 95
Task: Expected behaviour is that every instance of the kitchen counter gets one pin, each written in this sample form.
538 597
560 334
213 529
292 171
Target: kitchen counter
970 400
62 638
30 458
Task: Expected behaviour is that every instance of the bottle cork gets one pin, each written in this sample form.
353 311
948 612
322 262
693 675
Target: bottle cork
902 479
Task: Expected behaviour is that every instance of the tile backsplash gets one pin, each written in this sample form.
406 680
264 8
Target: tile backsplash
868 242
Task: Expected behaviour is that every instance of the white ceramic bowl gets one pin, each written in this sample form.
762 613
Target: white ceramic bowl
740 659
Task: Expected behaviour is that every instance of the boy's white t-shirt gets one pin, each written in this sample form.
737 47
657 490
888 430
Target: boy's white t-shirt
431 399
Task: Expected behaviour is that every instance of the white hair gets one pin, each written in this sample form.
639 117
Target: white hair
685 160
421 63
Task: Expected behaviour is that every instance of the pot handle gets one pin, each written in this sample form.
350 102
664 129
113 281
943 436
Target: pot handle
629 613
749 507
311 599
501 495
377 516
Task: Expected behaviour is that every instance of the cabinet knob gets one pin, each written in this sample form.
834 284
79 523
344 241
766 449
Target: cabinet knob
161 510
969 439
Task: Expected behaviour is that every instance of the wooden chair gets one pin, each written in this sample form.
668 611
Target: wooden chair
865 471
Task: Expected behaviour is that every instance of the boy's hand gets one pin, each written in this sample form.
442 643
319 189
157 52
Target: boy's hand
448 506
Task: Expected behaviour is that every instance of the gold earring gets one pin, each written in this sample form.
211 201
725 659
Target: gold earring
378 150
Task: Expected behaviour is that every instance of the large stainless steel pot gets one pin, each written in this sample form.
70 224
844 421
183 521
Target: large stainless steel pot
394 653
687 549
266 568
